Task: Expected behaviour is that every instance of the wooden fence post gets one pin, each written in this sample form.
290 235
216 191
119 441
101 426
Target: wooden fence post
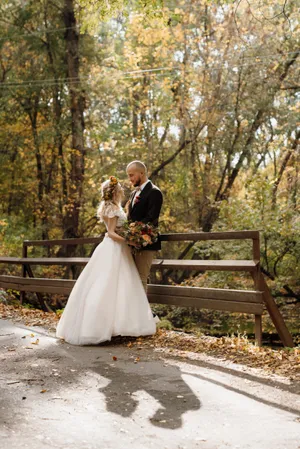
255 275
275 314
24 255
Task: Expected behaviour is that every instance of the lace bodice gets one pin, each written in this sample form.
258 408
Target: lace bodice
121 217
111 210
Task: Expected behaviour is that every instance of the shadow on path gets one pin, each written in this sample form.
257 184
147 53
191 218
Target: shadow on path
164 383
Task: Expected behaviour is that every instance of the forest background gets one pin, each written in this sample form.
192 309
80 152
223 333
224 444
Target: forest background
205 93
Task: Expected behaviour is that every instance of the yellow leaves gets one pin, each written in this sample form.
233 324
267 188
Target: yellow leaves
106 145
244 123
155 36
91 183
133 60
178 11
178 33
30 317
166 83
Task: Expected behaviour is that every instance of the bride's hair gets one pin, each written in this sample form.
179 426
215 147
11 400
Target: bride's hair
112 194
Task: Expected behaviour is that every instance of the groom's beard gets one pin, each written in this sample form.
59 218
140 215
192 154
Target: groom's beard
137 183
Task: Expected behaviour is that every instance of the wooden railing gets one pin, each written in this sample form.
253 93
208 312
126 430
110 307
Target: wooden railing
242 301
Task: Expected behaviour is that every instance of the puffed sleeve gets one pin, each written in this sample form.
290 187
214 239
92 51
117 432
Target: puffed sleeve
108 209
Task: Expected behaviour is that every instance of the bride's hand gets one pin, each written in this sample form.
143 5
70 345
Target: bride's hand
135 245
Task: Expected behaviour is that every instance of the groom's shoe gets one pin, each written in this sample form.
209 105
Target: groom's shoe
156 319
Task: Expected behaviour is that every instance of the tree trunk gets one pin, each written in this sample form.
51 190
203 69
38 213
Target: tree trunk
283 166
196 181
57 112
32 111
13 158
72 209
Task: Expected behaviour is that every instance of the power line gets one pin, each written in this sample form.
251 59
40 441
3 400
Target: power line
133 74
88 76
79 79
75 81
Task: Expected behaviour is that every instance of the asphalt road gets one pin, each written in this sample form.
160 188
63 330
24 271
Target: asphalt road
54 395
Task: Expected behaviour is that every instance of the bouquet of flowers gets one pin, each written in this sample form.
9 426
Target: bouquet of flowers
139 234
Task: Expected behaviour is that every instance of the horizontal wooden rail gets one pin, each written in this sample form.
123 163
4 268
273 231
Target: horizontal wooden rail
212 265
172 237
197 236
37 285
203 303
242 301
208 293
64 242
45 260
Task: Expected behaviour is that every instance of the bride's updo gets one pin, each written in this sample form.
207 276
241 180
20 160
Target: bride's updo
112 194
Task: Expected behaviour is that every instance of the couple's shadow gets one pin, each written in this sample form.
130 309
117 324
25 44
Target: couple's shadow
163 382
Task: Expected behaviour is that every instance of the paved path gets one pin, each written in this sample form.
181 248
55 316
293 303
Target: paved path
92 401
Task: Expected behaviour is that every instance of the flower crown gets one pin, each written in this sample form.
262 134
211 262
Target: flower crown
108 192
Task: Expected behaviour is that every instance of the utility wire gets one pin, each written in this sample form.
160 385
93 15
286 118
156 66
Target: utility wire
132 74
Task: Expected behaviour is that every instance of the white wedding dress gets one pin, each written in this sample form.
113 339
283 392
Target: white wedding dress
108 298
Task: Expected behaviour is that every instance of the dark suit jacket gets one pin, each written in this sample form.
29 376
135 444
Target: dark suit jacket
147 209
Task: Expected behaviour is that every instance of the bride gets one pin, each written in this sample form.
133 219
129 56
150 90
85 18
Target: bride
108 298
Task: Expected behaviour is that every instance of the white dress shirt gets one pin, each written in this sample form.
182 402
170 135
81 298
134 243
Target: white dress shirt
138 191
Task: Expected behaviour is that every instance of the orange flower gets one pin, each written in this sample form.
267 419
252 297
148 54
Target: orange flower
147 238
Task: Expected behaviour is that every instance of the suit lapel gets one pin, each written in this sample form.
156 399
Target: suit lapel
143 193
130 202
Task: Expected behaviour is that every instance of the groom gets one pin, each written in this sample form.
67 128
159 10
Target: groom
144 205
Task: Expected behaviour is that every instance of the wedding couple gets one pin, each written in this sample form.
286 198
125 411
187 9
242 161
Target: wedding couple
109 297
